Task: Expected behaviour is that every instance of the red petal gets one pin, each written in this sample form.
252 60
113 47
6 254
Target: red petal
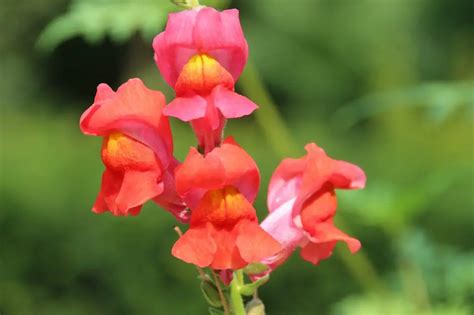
347 176
228 165
241 171
137 188
254 243
227 255
110 187
316 252
318 209
322 241
196 175
196 247
133 110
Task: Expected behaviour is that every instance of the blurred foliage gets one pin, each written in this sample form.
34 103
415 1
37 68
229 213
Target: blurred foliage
386 85
94 19
445 274
439 99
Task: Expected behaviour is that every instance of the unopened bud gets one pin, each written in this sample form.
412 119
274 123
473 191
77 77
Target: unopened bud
187 4
255 307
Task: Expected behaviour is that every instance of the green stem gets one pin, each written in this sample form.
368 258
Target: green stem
225 306
280 138
236 302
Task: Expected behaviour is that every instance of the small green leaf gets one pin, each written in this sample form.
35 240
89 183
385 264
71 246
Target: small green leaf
255 269
249 289
211 294
215 311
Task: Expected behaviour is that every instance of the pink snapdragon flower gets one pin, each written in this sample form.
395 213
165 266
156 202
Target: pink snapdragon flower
201 54
302 204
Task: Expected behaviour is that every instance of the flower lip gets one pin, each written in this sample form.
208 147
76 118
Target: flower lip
200 75
223 208
120 152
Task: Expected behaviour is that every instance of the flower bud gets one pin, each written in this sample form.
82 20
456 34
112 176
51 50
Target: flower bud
255 307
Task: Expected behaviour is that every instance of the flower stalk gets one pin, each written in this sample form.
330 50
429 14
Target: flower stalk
237 302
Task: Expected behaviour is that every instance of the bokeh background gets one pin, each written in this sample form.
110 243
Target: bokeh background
385 84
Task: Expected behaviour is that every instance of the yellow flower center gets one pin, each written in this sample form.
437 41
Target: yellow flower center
223 207
120 151
201 74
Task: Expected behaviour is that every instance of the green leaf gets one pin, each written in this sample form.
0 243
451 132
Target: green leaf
211 294
93 20
215 311
249 289
255 269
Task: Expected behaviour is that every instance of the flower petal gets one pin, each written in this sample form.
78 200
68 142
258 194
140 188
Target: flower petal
227 165
228 44
133 110
347 176
231 104
137 188
186 108
227 255
254 243
315 252
200 30
196 175
195 247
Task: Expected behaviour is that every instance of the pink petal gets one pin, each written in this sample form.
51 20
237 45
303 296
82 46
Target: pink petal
279 224
285 182
228 44
104 92
186 108
174 47
231 104
190 32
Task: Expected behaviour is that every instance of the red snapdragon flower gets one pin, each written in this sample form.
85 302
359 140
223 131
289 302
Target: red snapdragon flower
201 54
220 188
137 150
302 204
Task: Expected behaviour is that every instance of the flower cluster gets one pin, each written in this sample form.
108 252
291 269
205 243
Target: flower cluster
201 54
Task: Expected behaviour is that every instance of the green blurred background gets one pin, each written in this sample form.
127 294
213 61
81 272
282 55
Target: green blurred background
385 84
